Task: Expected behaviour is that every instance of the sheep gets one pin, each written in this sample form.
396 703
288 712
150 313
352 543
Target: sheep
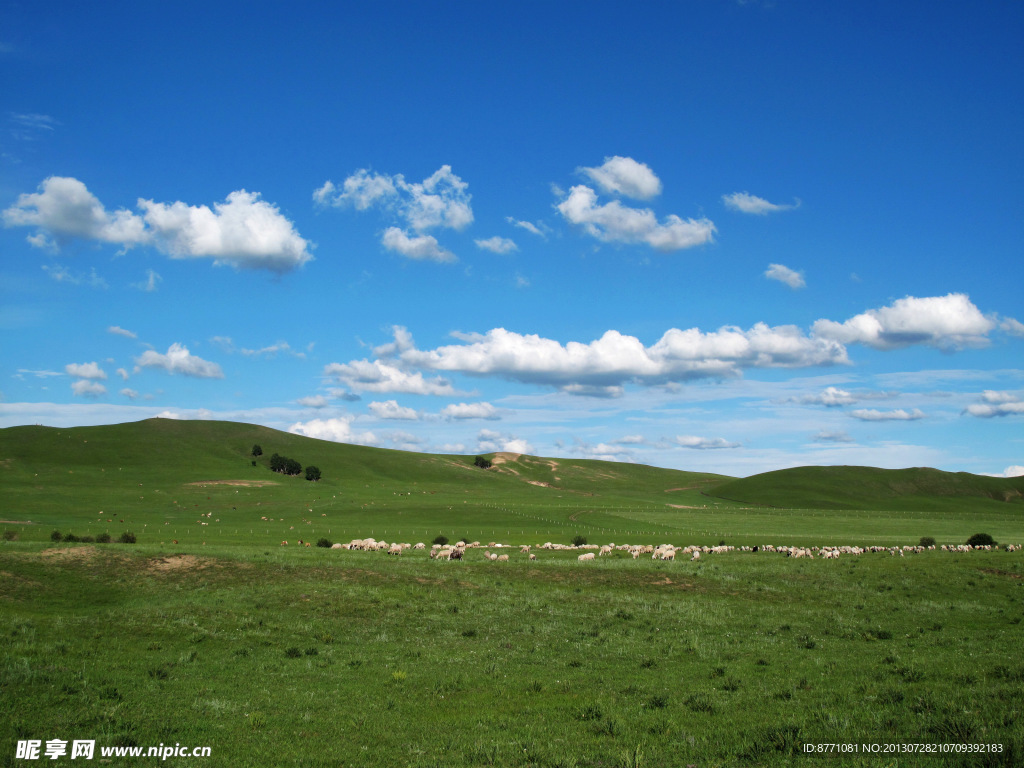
502 558
533 556
524 549
420 545
284 543
696 555
395 549
587 556
605 550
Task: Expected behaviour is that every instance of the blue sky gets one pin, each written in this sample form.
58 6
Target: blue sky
715 235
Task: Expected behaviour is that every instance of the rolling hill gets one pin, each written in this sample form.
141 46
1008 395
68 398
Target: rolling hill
868 488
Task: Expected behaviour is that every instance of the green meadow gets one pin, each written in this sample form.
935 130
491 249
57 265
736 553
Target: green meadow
208 632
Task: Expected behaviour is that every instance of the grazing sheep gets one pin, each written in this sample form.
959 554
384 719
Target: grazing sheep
284 543
533 556
395 549
502 558
696 555
587 556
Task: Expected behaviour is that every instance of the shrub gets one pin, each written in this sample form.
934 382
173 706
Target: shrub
442 540
579 541
293 652
981 540
70 537
927 541
126 538
10 536
103 538
56 536
326 543
87 539
312 473
481 462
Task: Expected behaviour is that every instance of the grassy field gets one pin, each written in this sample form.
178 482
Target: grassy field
276 656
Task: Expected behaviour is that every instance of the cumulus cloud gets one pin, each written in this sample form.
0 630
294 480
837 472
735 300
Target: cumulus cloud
1014 470
704 443
744 202
947 322
243 231
377 376
614 222
179 360
830 397
390 409
1012 326
995 404
870 414
615 358
88 388
440 201
625 176
419 247
785 275
497 245
85 370
338 430
463 411
131 394
313 401
119 331
489 441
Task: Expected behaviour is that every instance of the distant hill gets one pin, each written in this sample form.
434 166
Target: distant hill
869 488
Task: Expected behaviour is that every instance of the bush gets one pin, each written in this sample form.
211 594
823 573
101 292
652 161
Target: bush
481 462
325 543
442 540
579 541
103 538
981 540
312 473
70 537
927 541
126 538
56 536
10 536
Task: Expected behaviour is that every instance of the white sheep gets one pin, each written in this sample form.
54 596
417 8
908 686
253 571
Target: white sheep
587 556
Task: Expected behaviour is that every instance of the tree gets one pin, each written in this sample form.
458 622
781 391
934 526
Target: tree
312 473
277 463
256 450
981 540
482 462
579 541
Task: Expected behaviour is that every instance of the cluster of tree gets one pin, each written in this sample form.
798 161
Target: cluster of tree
287 466
482 462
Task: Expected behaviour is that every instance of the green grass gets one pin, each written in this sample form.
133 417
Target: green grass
323 657
294 656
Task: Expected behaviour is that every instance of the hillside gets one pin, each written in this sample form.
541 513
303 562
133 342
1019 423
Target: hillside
868 488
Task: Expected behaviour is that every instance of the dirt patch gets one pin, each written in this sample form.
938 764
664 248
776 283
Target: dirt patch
997 572
541 483
236 483
174 563
70 553
504 457
682 506
16 522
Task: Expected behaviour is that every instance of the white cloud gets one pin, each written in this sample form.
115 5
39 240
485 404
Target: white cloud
996 404
244 231
151 282
85 370
419 247
376 376
65 208
64 275
272 350
615 359
1011 326
832 436
88 388
338 429
441 200
614 222
313 401
462 411
131 394
123 374
179 360
489 441
497 245
528 226
1014 470
390 409
625 176
119 331
748 203
830 397
704 443
785 275
946 322
870 414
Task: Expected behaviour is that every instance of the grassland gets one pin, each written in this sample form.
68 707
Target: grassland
293 656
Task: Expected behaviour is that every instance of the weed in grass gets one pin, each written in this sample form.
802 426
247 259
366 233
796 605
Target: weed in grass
590 712
292 652
311 652
700 702
656 702
399 676
469 633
